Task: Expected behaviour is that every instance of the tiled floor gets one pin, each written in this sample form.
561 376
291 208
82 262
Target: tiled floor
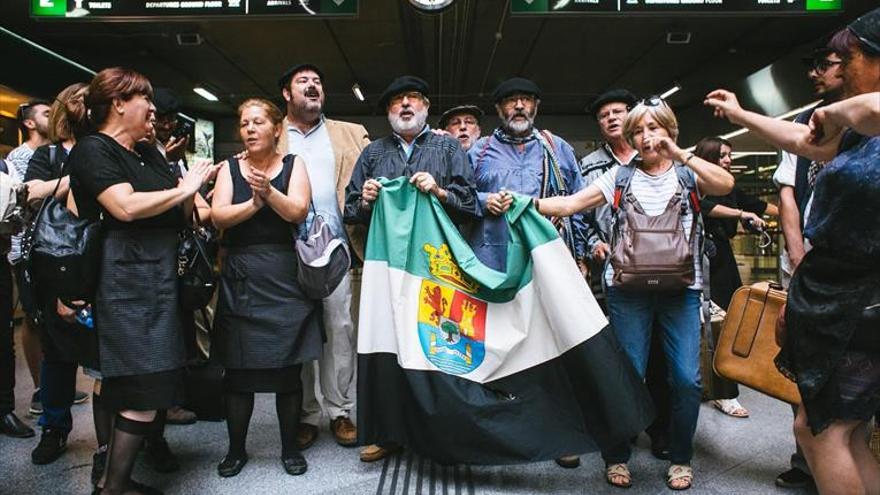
733 456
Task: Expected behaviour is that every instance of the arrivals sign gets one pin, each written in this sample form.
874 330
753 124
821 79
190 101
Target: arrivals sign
151 9
675 6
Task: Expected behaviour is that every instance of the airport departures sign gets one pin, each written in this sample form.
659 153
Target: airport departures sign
170 9
551 7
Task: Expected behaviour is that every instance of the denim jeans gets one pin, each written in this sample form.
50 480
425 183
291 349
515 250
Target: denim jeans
677 315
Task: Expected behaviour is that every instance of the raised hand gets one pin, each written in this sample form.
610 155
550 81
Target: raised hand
724 103
259 182
664 146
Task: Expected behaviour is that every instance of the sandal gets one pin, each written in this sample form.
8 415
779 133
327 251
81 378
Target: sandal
621 472
731 407
679 472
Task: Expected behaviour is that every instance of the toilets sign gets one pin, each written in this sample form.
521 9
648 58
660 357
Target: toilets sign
171 9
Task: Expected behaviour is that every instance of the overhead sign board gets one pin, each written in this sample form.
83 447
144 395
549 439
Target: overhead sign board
151 9
675 6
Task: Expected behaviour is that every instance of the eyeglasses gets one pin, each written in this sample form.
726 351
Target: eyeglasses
822 66
514 99
411 95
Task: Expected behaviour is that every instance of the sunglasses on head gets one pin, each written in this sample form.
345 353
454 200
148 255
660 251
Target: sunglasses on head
652 101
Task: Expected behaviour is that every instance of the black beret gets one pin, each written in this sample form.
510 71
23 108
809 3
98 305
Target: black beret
165 101
867 30
516 85
284 80
401 85
468 109
613 96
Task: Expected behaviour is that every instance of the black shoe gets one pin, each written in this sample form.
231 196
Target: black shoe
159 456
143 489
231 466
660 448
36 408
568 461
794 478
52 444
12 426
295 464
99 462
80 397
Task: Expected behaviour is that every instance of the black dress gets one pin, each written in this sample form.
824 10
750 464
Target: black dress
724 276
136 311
831 350
265 325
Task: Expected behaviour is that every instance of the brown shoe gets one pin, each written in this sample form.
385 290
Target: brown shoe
180 416
345 431
306 435
373 453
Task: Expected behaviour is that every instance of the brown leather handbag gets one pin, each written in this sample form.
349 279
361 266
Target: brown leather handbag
747 345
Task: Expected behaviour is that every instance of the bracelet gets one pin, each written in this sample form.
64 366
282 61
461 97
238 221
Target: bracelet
690 156
537 204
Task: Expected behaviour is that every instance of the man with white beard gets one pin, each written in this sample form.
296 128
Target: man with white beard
435 164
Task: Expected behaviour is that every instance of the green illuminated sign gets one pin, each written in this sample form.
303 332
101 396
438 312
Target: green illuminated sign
824 4
49 8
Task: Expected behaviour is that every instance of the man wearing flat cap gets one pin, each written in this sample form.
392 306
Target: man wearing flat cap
330 149
519 158
609 110
462 123
434 163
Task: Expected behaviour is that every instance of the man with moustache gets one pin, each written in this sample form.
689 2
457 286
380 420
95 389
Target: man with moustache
330 149
795 177
462 123
517 157
434 163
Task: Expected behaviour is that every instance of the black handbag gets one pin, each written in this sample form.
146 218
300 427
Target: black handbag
196 276
63 251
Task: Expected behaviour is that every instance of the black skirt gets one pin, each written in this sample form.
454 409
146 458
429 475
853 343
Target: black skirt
138 321
264 321
148 392
827 296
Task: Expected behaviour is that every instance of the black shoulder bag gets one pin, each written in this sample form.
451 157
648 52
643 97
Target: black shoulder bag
63 251
196 276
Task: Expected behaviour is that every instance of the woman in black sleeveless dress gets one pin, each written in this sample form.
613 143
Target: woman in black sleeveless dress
266 327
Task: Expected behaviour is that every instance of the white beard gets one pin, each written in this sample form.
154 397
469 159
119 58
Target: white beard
415 124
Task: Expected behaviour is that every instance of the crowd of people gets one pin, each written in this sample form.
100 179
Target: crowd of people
108 151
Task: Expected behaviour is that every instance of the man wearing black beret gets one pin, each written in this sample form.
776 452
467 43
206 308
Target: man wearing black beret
434 163
517 157
463 123
330 149
609 110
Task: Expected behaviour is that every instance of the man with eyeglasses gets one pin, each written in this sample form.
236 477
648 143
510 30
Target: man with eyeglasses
609 110
462 123
795 177
519 158
435 164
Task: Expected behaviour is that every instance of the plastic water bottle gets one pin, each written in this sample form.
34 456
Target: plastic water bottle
84 317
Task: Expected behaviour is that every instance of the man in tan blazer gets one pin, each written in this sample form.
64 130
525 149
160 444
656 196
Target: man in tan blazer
330 149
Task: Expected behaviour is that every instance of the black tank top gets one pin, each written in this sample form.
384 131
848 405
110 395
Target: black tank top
265 226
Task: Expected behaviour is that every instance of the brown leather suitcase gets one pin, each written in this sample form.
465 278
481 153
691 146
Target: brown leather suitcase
747 345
